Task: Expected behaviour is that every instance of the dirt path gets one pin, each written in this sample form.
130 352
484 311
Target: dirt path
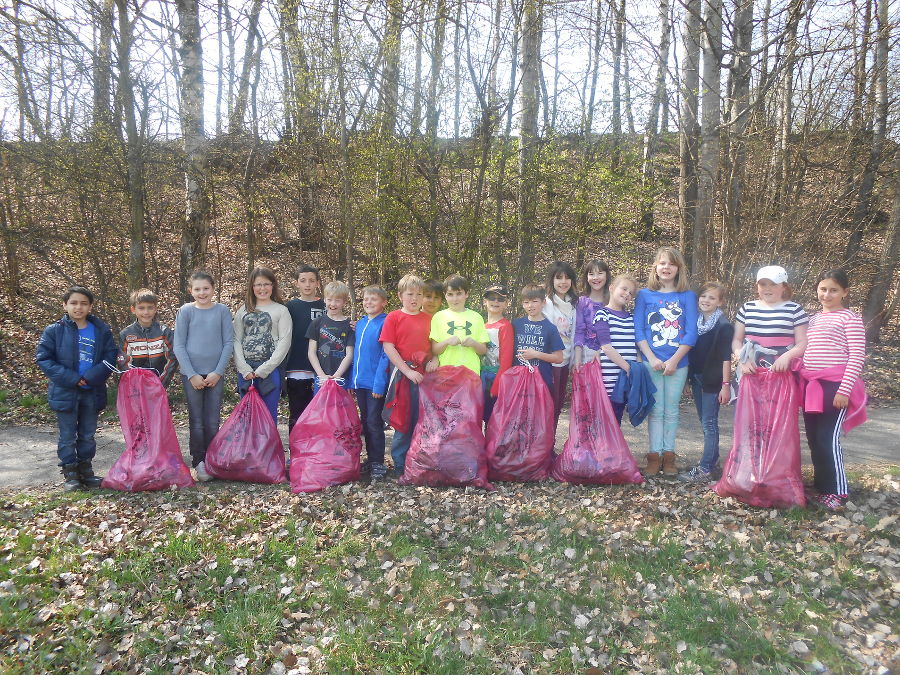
28 454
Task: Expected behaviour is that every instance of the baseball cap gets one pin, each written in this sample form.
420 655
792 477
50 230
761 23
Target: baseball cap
774 273
496 289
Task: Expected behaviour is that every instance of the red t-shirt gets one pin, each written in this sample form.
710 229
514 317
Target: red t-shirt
407 332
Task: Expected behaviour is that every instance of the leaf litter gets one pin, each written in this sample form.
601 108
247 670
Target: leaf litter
235 578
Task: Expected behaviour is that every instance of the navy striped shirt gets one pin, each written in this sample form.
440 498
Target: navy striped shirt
615 328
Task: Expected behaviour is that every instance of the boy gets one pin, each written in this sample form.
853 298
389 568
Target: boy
303 310
331 337
147 343
433 297
457 334
71 353
404 336
369 378
537 339
499 354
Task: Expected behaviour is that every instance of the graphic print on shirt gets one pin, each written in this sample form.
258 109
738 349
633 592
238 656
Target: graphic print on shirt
258 342
664 323
86 340
453 329
491 358
531 335
315 313
331 344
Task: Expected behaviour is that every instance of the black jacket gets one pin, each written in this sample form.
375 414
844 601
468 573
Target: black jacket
706 357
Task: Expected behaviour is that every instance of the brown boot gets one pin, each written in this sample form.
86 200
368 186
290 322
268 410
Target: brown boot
653 464
668 464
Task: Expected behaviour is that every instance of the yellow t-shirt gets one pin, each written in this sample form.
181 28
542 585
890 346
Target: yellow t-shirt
465 324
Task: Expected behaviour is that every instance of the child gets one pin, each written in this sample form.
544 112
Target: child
262 338
404 336
432 297
147 343
769 331
71 353
559 307
835 396
595 276
331 337
369 378
203 343
458 337
537 340
303 310
709 373
499 355
614 326
665 324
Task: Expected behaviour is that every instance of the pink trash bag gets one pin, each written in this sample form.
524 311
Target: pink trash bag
248 447
152 458
595 452
326 441
448 445
763 468
520 434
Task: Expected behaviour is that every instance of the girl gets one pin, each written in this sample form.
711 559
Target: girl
665 323
203 344
595 277
835 396
709 373
303 310
615 334
559 308
262 338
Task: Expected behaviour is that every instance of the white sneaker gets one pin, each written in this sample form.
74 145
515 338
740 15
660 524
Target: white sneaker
202 475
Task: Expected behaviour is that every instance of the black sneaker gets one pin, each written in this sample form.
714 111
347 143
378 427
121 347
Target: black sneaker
378 471
696 475
365 468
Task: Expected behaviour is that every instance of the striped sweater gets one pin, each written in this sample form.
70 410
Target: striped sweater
837 339
615 328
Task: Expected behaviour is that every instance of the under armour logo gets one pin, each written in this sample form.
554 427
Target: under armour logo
452 327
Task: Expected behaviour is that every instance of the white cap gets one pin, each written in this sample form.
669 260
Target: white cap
774 273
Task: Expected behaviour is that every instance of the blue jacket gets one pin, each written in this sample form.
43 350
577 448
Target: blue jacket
57 356
636 389
370 364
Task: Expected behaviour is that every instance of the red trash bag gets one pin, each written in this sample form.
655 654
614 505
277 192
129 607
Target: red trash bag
595 452
248 447
520 434
152 458
448 445
326 441
763 468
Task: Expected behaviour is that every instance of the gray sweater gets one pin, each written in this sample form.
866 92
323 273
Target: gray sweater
204 339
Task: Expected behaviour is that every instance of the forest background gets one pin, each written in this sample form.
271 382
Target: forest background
141 140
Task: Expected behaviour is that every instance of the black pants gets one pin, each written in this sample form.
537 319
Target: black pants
823 433
300 393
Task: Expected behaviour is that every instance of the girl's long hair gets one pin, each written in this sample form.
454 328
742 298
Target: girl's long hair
269 275
675 257
557 268
599 266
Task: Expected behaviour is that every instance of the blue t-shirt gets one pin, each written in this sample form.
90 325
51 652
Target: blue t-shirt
541 336
86 338
666 321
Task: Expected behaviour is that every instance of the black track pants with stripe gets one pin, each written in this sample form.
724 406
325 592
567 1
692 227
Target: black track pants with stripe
823 433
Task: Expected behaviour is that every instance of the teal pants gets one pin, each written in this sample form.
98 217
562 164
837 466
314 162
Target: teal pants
663 419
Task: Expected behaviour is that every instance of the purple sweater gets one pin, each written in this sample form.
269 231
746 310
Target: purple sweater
585 317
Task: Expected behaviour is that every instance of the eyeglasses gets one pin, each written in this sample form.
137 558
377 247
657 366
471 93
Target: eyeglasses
266 285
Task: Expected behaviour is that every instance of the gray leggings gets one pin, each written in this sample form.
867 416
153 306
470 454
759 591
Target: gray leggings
204 416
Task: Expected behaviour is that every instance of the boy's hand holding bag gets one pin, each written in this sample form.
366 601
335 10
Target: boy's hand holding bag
248 447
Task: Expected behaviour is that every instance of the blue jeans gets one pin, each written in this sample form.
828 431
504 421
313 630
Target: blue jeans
76 430
270 399
372 425
487 381
204 416
402 440
663 419
708 411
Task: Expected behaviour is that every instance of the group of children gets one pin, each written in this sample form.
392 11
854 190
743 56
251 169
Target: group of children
673 338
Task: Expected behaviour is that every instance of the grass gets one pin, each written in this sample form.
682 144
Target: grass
397 580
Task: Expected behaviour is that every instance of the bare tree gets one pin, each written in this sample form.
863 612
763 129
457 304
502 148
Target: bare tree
689 138
532 24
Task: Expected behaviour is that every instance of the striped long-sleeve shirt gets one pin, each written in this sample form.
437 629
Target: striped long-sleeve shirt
615 328
837 339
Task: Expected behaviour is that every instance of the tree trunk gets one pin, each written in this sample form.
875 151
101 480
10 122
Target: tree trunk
457 82
648 173
236 118
196 226
861 214
709 144
528 140
346 219
415 121
876 315
617 86
102 113
689 138
500 245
